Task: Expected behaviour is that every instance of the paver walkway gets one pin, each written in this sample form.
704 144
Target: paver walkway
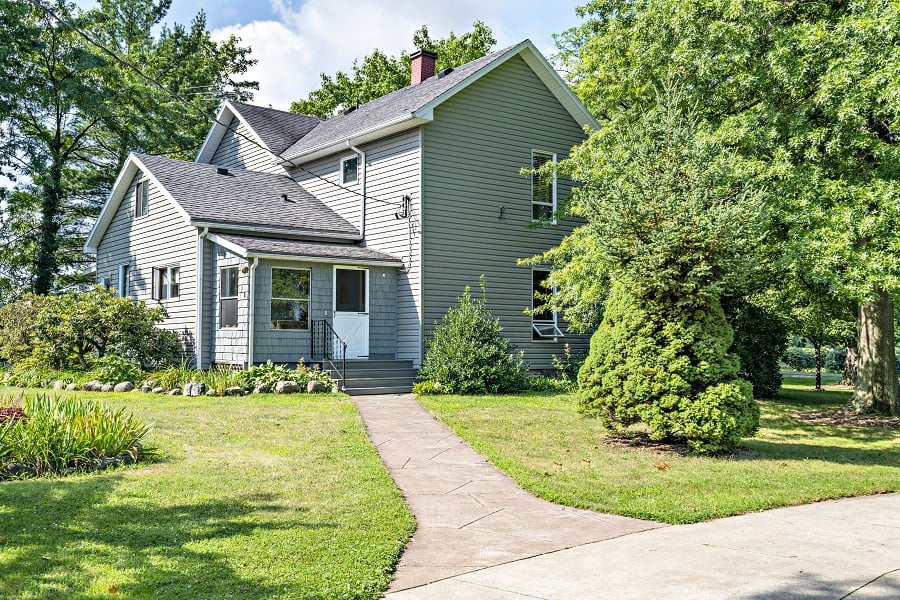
470 515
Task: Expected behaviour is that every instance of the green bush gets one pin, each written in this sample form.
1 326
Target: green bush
467 353
175 375
427 388
268 374
59 435
114 369
667 366
220 378
550 384
799 359
759 343
569 363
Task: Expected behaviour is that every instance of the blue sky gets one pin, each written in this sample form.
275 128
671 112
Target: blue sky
295 40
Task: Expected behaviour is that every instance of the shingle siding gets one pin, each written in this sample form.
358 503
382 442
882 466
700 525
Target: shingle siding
161 238
477 204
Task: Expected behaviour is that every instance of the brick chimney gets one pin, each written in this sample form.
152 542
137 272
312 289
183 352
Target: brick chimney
422 63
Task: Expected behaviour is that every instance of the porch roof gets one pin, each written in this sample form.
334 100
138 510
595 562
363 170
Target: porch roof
281 249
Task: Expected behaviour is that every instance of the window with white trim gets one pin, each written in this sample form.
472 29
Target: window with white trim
544 322
543 189
165 283
349 169
228 297
290 298
141 198
124 271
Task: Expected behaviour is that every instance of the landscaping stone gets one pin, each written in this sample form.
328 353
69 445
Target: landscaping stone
286 387
146 388
234 391
158 390
124 386
174 392
261 389
107 387
71 387
315 387
59 384
198 389
91 386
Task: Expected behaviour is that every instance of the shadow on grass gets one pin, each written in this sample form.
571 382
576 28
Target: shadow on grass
59 537
784 450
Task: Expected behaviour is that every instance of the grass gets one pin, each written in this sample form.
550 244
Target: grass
543 443
255 497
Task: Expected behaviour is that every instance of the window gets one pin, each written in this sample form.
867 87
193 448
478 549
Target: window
290 298
141 198
165 283
228 297
349 169
543 190
123 280
544 323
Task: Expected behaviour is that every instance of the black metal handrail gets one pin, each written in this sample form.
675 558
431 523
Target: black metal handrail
322 344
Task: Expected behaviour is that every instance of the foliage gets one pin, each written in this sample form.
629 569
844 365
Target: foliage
426 388
30 373
380 74
550 384
59 435
68 329
799 359
176 375
568 365
759 343
269 374
667 367
467 353
71 109
220 378
114 369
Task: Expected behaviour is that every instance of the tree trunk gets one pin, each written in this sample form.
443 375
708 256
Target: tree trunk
877 390
817 347
849 375
48 243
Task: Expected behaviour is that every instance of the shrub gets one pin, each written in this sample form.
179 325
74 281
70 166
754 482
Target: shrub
799 359
467 353
427 388
114 369
759 343
550 384
569 364
667 366
268 374
176 375
58 435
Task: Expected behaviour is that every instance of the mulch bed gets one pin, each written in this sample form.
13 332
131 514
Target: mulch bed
845 418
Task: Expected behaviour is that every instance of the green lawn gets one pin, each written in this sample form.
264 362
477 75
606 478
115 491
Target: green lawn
542 442
255 497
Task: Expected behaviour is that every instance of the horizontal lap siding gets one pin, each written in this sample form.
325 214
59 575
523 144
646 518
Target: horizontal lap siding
161 238
392 171
473 154
239 150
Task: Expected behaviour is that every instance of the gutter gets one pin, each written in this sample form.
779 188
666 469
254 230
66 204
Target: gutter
287 232
251 320
198 333
362 185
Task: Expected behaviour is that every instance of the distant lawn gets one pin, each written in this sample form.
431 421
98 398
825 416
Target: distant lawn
255 497
543 443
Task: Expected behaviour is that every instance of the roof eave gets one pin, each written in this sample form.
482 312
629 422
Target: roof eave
401 123
362 262
238 229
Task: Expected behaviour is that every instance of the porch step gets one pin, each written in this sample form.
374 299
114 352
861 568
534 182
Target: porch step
378 377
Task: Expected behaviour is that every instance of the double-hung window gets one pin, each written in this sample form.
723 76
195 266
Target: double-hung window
349 170
544 322
543 187
141 198
165 283
123 280
290 298
228 297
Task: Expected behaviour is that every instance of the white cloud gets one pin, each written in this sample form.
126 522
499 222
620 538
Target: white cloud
326 36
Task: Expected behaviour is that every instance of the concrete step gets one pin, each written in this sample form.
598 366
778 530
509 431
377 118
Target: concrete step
378 376
372 391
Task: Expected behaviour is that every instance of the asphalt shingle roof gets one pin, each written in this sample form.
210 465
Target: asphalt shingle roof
277 129
388 108
296 248
245 198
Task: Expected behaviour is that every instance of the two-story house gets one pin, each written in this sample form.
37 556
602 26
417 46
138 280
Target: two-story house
290 236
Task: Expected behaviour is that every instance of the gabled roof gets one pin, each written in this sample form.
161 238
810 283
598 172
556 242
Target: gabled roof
247 201
414 105
265 247
275 130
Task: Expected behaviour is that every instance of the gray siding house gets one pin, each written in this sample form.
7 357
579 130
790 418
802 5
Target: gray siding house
289 234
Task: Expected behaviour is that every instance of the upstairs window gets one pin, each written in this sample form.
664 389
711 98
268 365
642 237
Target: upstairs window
349 170
290 298
123 279
228 297
141 198
543 189
544 322
165 283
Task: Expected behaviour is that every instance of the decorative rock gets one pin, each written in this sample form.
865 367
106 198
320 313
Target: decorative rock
146 388
59 384
71 387
212 393
107 387
173 392
234 391
89 386
198 389
124 386
158 390
286 387
261 389
315 387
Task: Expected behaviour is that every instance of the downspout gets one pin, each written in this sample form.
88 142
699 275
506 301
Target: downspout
198 333
362 185
251 320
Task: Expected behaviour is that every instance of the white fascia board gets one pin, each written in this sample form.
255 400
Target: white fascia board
230 246
331 261
292 232
382 130
120 187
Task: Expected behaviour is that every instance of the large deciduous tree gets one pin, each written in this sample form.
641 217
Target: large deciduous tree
86 88
379 74
808 94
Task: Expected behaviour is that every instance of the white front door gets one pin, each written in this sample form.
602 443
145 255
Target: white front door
351 310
